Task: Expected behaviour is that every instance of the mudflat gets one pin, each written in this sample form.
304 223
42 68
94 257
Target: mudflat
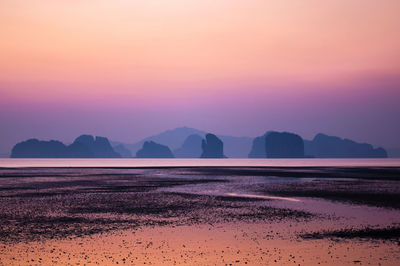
200 215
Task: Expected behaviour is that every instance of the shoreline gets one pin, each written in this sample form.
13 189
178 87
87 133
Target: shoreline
130 163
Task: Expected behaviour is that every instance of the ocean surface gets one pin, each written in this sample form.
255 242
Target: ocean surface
134 162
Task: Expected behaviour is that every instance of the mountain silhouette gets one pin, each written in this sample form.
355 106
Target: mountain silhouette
324 146
212 147
234 147
258 147
191 147
172 138
185 142
151 149
85 146
284 145
102 148
279 146
33 148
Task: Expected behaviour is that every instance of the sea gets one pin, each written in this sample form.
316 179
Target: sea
157 162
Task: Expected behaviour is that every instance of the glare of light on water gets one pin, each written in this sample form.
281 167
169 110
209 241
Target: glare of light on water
261 197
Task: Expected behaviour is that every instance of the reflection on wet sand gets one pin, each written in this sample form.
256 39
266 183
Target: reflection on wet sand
198 216
222 244
260 197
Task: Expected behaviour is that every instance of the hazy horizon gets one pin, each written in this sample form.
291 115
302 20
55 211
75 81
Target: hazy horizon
130 69
70 140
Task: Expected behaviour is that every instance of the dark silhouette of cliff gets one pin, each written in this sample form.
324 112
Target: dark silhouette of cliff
102 149
85 146
234 147
191 147
258 147
172 138
79 150
151 149
279 149
308 148
284 145
212 147
324 146
34 148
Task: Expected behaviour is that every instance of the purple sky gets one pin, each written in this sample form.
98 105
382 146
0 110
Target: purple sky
366 112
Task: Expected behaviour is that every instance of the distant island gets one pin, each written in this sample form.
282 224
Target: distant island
212 147
324 146
186 142
234 147
85 146
281 145
191 147
151 149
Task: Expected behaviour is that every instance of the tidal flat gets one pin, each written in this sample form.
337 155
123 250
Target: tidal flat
200 216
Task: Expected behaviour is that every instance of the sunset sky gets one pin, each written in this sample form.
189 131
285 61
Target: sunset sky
127 69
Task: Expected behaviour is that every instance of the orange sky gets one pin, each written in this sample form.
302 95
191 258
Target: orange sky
168 46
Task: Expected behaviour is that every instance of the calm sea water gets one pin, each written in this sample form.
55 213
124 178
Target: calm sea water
133 162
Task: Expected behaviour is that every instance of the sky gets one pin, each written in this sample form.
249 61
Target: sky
129 69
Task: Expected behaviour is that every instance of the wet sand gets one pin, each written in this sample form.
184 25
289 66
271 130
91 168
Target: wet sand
200 216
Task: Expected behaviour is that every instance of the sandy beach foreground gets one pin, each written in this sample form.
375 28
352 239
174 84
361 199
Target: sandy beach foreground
200 216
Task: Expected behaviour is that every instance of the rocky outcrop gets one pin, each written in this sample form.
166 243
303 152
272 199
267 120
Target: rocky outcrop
212 147
284 145
258 147
34 148
191 147
324 146
85 146
234 147
151 149
281 145
102 149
